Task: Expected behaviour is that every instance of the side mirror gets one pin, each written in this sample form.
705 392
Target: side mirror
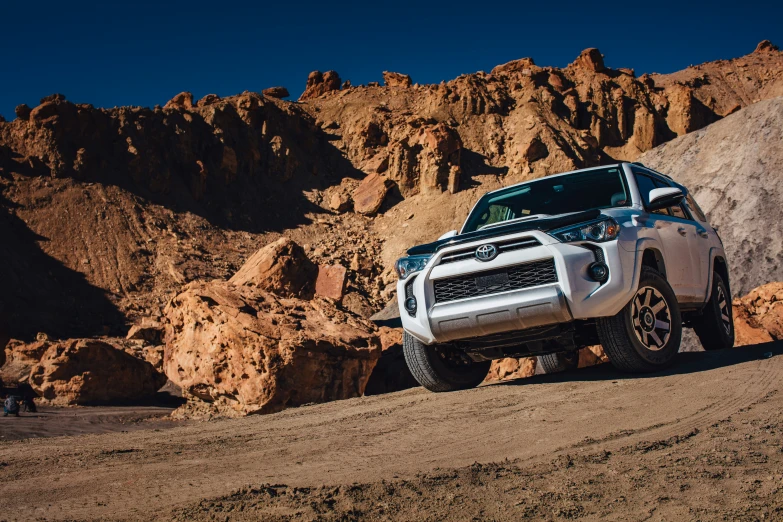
450 233
661 198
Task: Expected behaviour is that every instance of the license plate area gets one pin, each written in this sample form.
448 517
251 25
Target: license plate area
492 281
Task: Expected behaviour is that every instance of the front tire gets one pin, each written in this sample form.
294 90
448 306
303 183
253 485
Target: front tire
715 327
645 335
559 362
441 368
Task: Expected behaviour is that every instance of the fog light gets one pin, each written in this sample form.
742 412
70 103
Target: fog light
599 272
410 305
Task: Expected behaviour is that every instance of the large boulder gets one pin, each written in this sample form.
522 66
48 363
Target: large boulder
245 350
90 371
281 267
758 316
320 83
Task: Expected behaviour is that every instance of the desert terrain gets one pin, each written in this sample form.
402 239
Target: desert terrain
201 297
700 441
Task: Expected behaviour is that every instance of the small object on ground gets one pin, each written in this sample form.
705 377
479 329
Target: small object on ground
10 406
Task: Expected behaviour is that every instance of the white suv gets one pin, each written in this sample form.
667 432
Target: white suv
618 255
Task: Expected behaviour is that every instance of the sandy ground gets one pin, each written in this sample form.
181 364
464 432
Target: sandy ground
58 422
703 440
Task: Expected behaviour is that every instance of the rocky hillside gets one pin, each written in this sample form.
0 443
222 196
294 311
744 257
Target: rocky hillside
111 211
734 167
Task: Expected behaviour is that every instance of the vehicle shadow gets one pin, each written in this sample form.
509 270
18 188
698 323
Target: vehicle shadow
685 363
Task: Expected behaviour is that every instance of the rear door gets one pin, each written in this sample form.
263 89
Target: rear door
674 229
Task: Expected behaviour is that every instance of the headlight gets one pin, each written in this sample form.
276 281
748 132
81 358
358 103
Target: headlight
405 266
604 230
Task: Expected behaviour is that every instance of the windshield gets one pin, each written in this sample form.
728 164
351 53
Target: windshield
593 189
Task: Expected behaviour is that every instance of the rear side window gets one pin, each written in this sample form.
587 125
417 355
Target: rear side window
696 210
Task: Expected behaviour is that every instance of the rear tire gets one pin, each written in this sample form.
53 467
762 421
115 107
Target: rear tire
559 362
715 327
440 368
645 335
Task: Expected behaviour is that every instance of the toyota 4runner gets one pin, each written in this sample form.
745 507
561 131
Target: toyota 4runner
619 255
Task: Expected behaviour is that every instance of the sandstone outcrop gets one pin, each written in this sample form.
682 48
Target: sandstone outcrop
393 79
244 350
20 358
183 100
276 92
319 84
89 371
148 330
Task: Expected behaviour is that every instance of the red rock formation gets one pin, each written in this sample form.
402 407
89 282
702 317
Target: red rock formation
393 79
88 371
319 84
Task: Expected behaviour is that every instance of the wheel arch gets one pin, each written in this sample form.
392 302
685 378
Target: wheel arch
719 265
653 257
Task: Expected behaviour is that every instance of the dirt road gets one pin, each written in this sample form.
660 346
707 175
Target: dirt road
701 440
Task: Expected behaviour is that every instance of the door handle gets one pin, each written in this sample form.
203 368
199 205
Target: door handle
704 234
682 231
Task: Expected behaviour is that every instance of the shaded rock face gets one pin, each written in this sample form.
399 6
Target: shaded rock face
319 84
282 267
248 351
20 358
88 371
758 316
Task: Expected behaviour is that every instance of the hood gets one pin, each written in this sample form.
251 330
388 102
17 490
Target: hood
544 225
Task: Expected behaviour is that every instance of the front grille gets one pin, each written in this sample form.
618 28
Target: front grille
504 246
495 281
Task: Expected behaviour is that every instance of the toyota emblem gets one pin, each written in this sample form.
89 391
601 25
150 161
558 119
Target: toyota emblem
486 252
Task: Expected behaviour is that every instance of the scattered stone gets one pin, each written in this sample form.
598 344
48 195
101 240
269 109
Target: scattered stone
369 195
331 281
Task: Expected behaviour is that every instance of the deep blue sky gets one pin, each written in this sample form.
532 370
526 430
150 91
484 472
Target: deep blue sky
142 53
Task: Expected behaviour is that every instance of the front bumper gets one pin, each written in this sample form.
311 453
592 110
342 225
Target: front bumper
573 296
